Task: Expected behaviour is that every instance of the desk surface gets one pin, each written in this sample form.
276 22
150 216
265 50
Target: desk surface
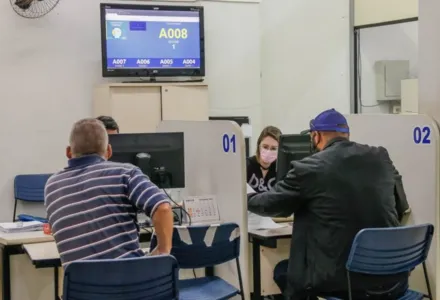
31 237
42 251
47 251
279 233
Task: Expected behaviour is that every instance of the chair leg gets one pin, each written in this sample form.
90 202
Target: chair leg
240 280
428 285
15 211
349 286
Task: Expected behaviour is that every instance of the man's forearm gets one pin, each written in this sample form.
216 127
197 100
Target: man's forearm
163 225
274 203
256 205
263 205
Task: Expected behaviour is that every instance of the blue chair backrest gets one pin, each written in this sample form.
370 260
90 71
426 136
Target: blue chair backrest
30 187
153 278
386 251
201 246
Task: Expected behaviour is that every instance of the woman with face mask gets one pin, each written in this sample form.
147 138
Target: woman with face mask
261 168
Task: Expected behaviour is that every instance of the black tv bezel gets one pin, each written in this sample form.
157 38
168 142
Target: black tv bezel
183 72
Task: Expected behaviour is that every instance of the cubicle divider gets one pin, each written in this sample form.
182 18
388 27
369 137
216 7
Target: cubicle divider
215 165
413 144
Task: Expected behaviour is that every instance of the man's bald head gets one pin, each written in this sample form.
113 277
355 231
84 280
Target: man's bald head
88 136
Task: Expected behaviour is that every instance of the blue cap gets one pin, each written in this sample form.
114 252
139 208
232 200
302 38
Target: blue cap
329 120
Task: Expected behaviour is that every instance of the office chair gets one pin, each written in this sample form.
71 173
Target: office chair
202 246
152 278
29 188
388 251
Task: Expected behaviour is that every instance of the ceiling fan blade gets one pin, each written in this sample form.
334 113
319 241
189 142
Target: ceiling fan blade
23 4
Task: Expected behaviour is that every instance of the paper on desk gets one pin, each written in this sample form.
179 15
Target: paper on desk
249 189
14 227
256 222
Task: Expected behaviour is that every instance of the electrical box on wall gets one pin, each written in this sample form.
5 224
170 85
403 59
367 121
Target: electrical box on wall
389 74
410 96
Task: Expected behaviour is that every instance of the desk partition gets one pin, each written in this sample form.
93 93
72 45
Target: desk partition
215 165
413 144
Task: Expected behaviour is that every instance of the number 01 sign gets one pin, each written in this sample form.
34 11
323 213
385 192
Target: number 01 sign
229 143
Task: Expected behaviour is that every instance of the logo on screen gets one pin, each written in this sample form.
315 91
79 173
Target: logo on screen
117 32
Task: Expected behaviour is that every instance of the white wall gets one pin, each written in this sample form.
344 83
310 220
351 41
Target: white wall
305 60
429 64
391 42
378 11
50 65
232 32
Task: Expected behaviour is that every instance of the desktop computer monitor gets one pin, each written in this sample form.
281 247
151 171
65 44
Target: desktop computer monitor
160 156
291 147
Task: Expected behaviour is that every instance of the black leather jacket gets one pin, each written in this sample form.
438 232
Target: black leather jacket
334 194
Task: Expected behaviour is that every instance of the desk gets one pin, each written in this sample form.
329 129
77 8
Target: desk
41 252
266 238
13 239
45 255
11 244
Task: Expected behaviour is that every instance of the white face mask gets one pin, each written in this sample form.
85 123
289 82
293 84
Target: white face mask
268 156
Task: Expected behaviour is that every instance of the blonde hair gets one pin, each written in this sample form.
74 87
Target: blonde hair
269 131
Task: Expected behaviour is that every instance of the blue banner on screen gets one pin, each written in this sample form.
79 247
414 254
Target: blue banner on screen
154 63
152 39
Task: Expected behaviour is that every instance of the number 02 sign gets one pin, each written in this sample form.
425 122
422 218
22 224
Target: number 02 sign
422 135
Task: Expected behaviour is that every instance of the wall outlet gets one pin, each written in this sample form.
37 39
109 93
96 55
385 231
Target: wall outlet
396 109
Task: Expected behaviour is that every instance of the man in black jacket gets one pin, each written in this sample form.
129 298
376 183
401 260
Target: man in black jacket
342 188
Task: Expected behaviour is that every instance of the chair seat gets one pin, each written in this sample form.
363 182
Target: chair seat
206 288
409 295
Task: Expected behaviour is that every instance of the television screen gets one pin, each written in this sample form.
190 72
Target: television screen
152 41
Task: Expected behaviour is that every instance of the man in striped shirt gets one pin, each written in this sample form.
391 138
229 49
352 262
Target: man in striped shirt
91 204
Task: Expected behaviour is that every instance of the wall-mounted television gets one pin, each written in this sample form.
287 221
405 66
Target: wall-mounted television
152 40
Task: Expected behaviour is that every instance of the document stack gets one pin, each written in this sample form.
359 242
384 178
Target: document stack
17 227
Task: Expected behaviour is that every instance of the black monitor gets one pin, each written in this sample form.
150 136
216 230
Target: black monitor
291 147
159 155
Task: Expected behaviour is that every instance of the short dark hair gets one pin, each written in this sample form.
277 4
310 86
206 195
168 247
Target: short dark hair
109 123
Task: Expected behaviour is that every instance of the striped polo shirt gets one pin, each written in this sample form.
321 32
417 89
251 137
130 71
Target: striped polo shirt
91 207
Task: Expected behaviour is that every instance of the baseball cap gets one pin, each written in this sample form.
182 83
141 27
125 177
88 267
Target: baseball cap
328 120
